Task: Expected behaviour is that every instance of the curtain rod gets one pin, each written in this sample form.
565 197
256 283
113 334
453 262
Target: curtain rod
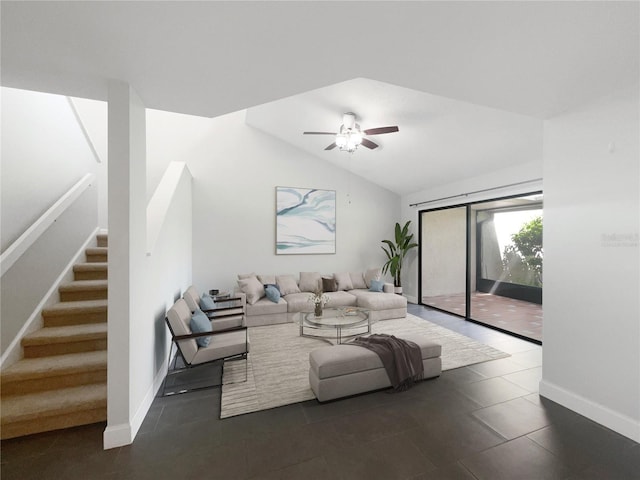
474 192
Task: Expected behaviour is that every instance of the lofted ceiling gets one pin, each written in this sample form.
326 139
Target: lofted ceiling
439 138
468 83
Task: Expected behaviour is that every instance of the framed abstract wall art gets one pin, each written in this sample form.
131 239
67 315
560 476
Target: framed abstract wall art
305 221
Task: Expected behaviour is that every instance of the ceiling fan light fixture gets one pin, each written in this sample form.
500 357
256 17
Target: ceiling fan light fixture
341 140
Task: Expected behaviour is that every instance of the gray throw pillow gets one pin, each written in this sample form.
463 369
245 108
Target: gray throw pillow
252 288
287 284
243 276
371 274
343 281
357 280
267 279
309 281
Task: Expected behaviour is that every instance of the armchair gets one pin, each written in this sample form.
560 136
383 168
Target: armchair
227 315
225 345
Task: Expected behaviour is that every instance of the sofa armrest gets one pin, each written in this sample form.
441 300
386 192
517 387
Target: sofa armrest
388 288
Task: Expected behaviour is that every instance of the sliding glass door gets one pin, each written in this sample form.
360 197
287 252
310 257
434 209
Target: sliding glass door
483 261
443 247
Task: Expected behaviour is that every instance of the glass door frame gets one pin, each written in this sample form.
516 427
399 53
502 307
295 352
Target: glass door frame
468 280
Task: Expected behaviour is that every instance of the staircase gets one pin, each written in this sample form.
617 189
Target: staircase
62 380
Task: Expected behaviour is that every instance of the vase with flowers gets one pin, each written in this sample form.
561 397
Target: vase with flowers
319 300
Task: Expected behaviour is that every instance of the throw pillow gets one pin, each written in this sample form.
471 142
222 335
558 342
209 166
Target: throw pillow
328 284
243 276
343 281
376 286
267 279
371 274
206 302
252 288
200 323
287 284
309 281
273 293
271 285
357 280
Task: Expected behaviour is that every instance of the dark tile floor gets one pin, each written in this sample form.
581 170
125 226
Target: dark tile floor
485 421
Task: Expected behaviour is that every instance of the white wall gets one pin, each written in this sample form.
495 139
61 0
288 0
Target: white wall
591 315
93 120
43 154
236 169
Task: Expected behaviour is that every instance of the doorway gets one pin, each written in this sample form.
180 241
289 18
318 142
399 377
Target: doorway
483 261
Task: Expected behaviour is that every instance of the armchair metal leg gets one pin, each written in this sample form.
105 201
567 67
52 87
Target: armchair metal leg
166 377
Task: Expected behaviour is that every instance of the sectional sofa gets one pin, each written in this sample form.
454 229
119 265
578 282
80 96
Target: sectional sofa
345 289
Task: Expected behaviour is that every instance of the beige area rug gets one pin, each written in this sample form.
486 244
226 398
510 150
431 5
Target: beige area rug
278 365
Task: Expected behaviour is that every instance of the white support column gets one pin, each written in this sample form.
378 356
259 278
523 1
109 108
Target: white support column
127 243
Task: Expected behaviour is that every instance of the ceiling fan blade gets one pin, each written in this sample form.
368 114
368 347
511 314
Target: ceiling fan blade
369 144
318 133
332 146
380 130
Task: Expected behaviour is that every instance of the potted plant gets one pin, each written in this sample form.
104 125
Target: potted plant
396 252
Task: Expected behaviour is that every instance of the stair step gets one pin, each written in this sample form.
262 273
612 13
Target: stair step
90 271
75 313
31 375
62 340
103 240
97 254
83 290
51 410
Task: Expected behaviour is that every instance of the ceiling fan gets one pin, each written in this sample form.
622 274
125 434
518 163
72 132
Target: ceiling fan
350 135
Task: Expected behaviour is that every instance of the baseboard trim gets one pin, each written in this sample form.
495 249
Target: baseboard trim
144 407
117 436
13 353
411 299
617 422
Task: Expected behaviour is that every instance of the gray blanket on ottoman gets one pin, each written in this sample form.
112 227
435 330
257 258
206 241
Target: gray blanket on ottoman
402 359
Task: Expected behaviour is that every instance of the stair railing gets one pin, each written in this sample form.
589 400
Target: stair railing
29 237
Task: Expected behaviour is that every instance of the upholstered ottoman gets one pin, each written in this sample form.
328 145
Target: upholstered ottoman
342 370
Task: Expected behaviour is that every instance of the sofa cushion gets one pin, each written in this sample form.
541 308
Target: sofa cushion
371 274
310 282
252 288
378 301
264 306
340 299
223 345
200 323
357 280
287 284
343 281
299 302
344 359
328 284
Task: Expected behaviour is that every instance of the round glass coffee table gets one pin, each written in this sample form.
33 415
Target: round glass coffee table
338 323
